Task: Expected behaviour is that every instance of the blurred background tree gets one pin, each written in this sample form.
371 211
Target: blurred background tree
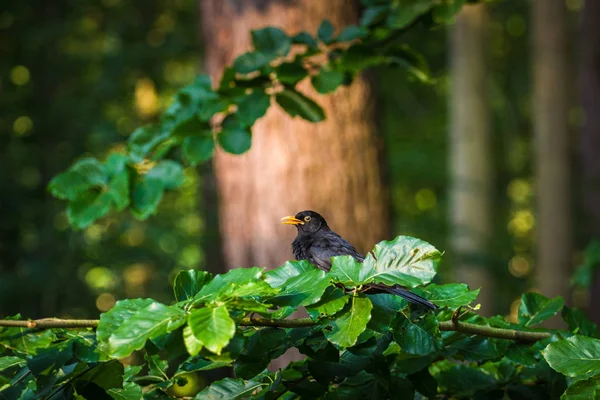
78 76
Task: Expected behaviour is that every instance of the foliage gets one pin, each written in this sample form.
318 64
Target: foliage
202 117
355 344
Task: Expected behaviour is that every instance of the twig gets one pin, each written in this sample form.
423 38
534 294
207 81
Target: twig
46 323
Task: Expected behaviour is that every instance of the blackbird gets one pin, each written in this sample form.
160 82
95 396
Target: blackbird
317 243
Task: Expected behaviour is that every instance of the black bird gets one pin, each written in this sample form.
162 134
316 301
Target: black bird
316 243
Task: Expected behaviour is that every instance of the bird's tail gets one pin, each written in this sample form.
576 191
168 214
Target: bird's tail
410 296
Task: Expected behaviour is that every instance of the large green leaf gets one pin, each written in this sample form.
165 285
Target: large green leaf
278 276
583 390
263 346
235 283
252 107
535 308
296 104
385 308
111 320
9 362
451 295
250 62
272 42
235 138
25 340
213 327
347 325
197 149
81 176
89 207
230 389
577 356
463 380
418 337
291 73
192 344
130 391
578 322
326 81
302 290
189 282
148 323
149 188
145 139
334 299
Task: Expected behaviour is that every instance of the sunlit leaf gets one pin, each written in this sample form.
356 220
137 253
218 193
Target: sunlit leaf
278 276
81 176
302 290
213 327
189 282
535 308
230 389
130 391
452 295
111 320
9 362
332 301
577 356
350 322
583 390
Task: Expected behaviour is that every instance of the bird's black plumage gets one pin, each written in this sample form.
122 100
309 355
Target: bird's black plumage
317 243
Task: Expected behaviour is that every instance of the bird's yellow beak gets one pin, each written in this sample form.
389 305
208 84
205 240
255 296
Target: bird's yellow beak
291 220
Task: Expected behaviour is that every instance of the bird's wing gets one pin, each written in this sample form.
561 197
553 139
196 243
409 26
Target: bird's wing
330 245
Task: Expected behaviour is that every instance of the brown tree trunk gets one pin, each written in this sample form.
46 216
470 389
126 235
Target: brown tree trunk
552 147
590 135
331 167
470 153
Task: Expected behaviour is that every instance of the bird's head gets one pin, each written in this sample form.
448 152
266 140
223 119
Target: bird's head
307 221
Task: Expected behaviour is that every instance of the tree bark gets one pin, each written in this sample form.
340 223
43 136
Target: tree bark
470 153
552 147
331 167
590 135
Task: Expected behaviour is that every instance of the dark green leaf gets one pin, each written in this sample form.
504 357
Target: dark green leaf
144 139
50 358
296 104
250 62
148 323
373 14
407 12
118 189
583 390
303 289
577 356
234 137
200 364
168 172
146 197
272 42
305 38
277 277
350 322
188 283
419 337
81 176
451 295
444 11
252 107
462 380
327 81
424 383
107 375
213 327
122 311
89 207
385 308
333 300
523 354
130 391
414 63
230 389
578 322
197 149
211 107
290 73
326 31
535 308
352 32
359 57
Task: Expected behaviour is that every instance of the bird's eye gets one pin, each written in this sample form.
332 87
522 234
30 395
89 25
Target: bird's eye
307 218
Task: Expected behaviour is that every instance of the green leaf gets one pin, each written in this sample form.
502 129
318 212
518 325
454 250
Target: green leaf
359 57
290 73
535 308
250 62
213 327
50 358
146 196
577 356
130 391
152 321
333 300
199 364
192 345
278 276
197 149
81 176
106 375
231 284
156 366
118 189
444 11
263 346
346 270
523 354
350 322
385 308
326 81
406 261
9 362
230 389
419 337
374 14
296 104
424 383
144 139
252 107
583 390
189 282
168 172
414 63
407 12
272 42
463 380
88 207
452 295
326 31
305 38
352 32
578 322
234 137
24 339
303 289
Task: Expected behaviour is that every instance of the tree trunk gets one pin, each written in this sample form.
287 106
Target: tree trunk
331 167
552 147
470 158
590 135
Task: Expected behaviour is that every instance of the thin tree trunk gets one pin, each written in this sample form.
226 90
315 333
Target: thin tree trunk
552 149
590 134
470 153
331 167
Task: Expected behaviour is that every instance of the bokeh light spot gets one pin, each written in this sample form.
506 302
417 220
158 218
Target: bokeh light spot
425 199
574 5
515 25
519 190
100 278
105 301
519 266
19 75
522 222
146 100
190 256
22 125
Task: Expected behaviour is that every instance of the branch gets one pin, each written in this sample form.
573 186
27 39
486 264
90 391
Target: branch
457 326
